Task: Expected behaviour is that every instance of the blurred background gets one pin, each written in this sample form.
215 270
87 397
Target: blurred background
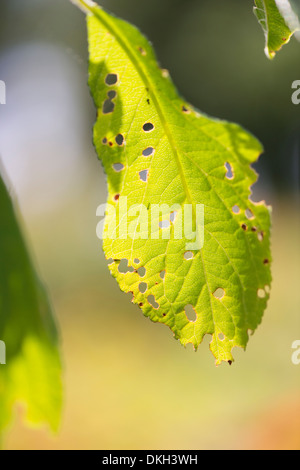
128 383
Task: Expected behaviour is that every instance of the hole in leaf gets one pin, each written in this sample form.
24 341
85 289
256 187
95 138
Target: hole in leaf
163 274
130 292
136 261
110 261
143 287
219 293
164 224
148 127
118 167
111 79
221 336
236 209
142 271
144 175
261 293
120 140
148 152
112 94
104 141
261 236
249 214
267 289
173 216
229 174
124 268
188 255
190 313
108 107
152 302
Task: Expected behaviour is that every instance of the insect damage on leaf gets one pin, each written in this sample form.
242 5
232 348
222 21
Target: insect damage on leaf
192 262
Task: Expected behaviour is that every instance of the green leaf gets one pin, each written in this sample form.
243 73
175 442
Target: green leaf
32 373
279 22
157 149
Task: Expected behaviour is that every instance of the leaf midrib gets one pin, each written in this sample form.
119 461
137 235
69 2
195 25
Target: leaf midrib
132 55
135 59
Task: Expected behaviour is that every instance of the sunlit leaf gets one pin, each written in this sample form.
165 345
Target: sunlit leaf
32 373
157 149
279 22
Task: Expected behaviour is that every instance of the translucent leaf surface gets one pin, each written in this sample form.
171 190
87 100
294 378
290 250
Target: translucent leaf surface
279 22
157 149
32 373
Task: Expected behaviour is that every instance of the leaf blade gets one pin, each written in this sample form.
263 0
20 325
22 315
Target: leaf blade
185 157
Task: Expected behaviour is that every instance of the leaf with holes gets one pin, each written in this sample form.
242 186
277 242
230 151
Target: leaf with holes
32 374
181 233
279 22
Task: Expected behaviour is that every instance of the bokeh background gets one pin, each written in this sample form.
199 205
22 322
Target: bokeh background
128 383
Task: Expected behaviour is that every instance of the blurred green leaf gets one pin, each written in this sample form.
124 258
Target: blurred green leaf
32 374
157 149
279 22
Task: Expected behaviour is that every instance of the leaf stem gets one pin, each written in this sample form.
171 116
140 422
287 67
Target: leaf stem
87 6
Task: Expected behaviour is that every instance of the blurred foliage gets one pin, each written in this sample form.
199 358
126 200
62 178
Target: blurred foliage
32 374
129 385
